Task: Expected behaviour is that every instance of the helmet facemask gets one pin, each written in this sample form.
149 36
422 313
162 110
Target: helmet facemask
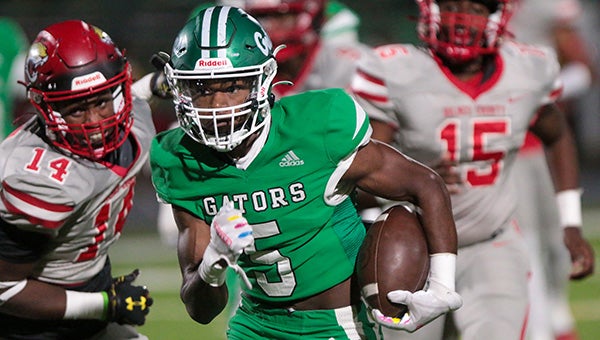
462 36
218 57
92 140
71 68
222 128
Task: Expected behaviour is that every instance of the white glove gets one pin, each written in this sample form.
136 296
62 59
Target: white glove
154 83
230 234
425 305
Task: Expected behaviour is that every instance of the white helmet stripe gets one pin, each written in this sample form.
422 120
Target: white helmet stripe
222 32
205 39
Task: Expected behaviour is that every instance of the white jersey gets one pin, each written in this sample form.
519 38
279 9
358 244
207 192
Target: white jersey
332 65
79 204
480 127
546 14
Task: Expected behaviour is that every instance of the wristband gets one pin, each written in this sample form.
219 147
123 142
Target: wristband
569 207
82 305
442 269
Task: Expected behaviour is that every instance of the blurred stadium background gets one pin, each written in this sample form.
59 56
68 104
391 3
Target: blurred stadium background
144 27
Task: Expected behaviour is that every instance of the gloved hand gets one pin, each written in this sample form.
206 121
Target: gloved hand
158 82
230 234
155 83
424 306
159 86
128 304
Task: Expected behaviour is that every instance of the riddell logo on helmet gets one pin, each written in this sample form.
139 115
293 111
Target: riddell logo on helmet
213 63
88 80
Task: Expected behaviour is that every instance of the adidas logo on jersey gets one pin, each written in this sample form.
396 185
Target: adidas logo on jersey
290 159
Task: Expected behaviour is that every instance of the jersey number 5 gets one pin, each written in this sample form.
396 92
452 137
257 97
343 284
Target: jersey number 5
479 148
278 282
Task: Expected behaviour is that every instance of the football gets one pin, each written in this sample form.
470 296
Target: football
394 256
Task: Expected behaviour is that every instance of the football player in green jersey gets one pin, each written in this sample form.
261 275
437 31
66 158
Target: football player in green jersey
263 187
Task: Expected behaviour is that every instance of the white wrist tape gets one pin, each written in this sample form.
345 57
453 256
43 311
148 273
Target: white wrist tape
576 78
82 305
14 287
442 269
569 207
210 270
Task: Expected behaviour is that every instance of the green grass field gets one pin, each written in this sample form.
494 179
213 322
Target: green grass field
168 319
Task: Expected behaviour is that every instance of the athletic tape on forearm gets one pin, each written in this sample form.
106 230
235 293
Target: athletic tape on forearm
569 207
15 288
442 269
82 305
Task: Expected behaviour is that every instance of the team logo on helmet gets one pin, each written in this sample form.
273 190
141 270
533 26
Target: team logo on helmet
103 35
38 56
263 42
180 45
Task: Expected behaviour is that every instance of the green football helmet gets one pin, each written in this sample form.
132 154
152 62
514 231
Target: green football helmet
221 44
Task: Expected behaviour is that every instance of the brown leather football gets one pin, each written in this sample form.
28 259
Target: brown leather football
393 256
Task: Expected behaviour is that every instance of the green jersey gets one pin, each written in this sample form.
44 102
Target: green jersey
12 44
307 231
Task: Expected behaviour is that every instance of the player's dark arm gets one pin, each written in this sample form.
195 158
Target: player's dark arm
203 302
36 300
552 129
383 131
383 171
561 153
21 295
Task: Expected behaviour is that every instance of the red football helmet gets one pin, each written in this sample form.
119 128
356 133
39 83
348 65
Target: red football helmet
299 32
462 36
72 60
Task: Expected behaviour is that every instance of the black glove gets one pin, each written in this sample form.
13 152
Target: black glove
159 86
128 304
159 60
158 82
